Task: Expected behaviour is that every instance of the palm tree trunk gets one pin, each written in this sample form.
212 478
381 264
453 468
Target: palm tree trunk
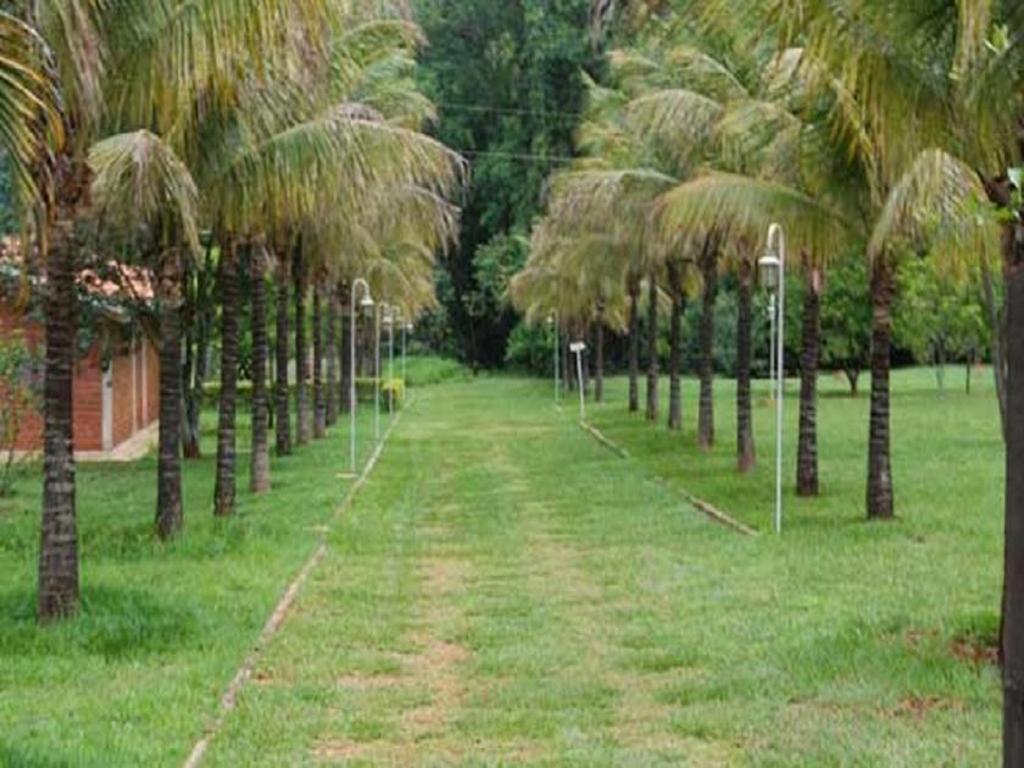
319 403
169 512
305 422
706 413
599 356
585 367
259 467
746 452
634 346
224 489
652 349
1012 630
58 552
807 450
345 351
283 428
332 357
568 363
880 491
675 339
188 339
195 387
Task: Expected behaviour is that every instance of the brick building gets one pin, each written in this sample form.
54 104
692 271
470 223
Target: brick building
117 380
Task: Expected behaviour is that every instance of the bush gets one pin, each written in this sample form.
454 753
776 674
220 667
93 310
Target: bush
19 396
531 350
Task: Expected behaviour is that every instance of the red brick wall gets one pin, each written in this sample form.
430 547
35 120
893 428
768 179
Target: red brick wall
87 392
88 402
122 380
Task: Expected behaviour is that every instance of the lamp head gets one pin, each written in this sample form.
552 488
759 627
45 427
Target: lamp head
770 268
367 303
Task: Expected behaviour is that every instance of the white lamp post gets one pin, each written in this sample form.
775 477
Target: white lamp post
578 348
773 275
553 322
367 304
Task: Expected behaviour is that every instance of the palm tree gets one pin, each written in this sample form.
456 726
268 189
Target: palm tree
282 394
140 185
259 475
807 447
746 452
331 342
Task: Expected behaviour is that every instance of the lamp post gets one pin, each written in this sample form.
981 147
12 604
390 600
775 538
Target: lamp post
553 322
367 304
773 274
578 348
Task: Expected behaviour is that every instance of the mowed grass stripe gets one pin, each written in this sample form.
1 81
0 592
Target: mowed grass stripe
492 637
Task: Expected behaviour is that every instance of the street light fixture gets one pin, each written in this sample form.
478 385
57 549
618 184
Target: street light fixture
772 267
578 348
366 304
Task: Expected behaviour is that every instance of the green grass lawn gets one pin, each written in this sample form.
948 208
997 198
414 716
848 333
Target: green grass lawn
506 590
135 678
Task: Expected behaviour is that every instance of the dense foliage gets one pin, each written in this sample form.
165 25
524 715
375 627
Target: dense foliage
508 82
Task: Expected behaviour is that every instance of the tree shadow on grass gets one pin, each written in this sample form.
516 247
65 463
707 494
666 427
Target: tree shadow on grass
14 757
112 623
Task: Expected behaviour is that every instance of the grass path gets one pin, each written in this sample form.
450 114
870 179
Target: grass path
486 600
506 590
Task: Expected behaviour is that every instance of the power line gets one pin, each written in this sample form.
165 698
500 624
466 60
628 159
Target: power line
508 110
517 156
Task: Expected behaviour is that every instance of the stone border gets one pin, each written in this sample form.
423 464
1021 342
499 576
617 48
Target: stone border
230 698
699 504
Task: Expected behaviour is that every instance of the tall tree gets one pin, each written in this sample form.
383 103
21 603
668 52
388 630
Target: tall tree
259 466
508 77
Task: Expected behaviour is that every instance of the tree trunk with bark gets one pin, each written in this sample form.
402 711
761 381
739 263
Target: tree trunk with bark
807 450
746 452
675 339
259 466
880 504
332 356
303 415
634 346
187 332
282 396
346 351
224 489
599 356
58 552
706 413
170 516
652 349
194 387
1012 629
319 401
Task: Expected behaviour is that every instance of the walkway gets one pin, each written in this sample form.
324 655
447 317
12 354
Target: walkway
504 588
